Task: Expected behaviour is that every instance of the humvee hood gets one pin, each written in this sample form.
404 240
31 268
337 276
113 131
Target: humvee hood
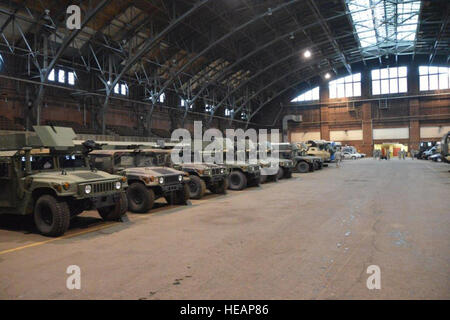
200 165
77 176
152 171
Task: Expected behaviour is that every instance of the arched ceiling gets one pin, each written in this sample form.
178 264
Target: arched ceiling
242 54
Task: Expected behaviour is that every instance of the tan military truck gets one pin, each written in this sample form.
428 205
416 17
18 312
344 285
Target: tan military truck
44 175
148 176
318 149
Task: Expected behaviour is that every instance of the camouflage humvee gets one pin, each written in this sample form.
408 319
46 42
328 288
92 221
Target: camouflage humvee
148 177
302 163
202 175
268 163
46 176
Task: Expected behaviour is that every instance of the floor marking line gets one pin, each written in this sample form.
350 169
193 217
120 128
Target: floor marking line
58 238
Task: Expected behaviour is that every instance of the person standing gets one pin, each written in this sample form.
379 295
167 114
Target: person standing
337 157
388 154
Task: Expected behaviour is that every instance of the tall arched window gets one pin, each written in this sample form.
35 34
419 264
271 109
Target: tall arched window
310 95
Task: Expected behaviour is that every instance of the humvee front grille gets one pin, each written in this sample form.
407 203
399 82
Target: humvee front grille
215 171
102 187
171 179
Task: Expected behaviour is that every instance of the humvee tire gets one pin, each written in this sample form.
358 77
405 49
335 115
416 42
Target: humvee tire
51 216
182 196
220 188
197 187
140 198
237 180
302 167
114 212
280 173
263 178
288 174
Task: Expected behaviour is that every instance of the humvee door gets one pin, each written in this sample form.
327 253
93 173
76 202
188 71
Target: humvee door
7 184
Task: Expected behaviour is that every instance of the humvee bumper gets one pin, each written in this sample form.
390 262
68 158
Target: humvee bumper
171 188
104 201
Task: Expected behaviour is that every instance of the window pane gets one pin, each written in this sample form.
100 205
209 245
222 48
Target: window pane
116 88
423 70
433 70
71 78
384 74
61 76
332 91
393 73
348 79
402 71
348 89
357 77
402 85
375 74
443 70
384 86
423 83
393 85
376 87
433 82
443 81
357 89
340 90
51 75
123 90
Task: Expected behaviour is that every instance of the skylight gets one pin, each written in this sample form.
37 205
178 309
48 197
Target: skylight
385 23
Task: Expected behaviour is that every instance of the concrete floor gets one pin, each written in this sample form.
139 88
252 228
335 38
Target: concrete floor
311 237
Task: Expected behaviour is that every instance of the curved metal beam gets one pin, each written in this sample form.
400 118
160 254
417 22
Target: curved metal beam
277 95
221 39
262 71
150 42
264 46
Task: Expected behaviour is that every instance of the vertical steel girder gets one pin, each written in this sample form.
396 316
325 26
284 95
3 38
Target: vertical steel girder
66 43
220 40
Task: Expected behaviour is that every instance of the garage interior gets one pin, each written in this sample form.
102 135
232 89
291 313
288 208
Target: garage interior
374 75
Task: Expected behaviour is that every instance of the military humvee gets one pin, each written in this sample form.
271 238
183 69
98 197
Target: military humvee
148 177
445 147
319 149
45 175
202 175
302 162
267 162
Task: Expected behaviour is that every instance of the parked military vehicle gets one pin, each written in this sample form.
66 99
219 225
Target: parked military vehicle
301 161
148 177
320 149
445 147
241 173
268 162
202 176
44 175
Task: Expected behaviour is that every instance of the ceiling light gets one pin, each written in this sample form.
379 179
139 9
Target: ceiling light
307 54
327 75
269 12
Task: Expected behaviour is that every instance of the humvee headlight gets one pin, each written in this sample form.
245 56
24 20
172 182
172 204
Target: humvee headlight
222 171
88 189
161 180
118 185
180 178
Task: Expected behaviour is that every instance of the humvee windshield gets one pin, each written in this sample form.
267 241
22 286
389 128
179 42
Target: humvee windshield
139 159
48 162
40 162
72 161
